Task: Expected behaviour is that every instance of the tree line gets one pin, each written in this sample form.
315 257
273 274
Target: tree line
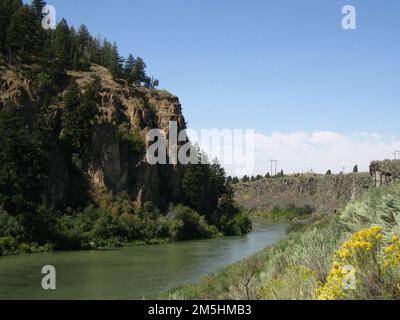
23 41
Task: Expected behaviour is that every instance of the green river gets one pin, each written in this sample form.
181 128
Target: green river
131 272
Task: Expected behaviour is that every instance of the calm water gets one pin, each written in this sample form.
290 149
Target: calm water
131 272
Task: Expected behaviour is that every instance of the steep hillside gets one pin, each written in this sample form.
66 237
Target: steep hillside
74 173
109 166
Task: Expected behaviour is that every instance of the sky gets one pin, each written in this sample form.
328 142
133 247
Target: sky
317 96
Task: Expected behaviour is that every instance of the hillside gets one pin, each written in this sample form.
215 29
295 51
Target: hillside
323 193
74 115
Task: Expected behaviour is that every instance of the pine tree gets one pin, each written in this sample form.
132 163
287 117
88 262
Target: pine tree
116 62
7 9
21 33
139 71
355 169
218 177
37 6
129 67
23 167
70 136
192 185
62 44
106 53
79 117
155 83
84 47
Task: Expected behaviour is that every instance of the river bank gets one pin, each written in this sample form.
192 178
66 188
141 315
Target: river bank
134 272
311 262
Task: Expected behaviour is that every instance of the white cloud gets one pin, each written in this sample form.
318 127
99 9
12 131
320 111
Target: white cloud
321 150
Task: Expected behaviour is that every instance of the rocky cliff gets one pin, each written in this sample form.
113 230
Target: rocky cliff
111 167
385 172
325 194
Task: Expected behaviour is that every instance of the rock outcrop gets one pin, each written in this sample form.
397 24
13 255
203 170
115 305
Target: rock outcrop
111 166
385 172
325 194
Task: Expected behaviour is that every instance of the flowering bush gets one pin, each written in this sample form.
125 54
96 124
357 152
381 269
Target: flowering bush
392 253
365 259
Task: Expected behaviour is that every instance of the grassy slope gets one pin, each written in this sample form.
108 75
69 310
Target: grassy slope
295 267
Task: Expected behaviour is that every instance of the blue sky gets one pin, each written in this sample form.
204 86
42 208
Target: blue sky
269 65
273 66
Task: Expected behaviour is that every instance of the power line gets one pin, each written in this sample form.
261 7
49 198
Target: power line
274 162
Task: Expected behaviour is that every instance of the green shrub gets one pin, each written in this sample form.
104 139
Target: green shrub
236 225
290 212
133 138
380 206
297 283
10 226
8 246
186 224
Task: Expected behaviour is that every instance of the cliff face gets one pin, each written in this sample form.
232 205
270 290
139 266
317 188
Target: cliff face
325 194
385 172
111 165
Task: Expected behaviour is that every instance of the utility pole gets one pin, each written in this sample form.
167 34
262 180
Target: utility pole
274 162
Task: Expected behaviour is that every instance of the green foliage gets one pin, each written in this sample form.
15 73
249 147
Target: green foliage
62 44
21 34
238 225
133 138
379 206
7 10
297 283
80 116
235 180
8 246
10 226
296 267
24 159
37 6
23 40
186 224
198 188
290 212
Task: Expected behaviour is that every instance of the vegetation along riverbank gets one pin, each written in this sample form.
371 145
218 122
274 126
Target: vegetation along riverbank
311 263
